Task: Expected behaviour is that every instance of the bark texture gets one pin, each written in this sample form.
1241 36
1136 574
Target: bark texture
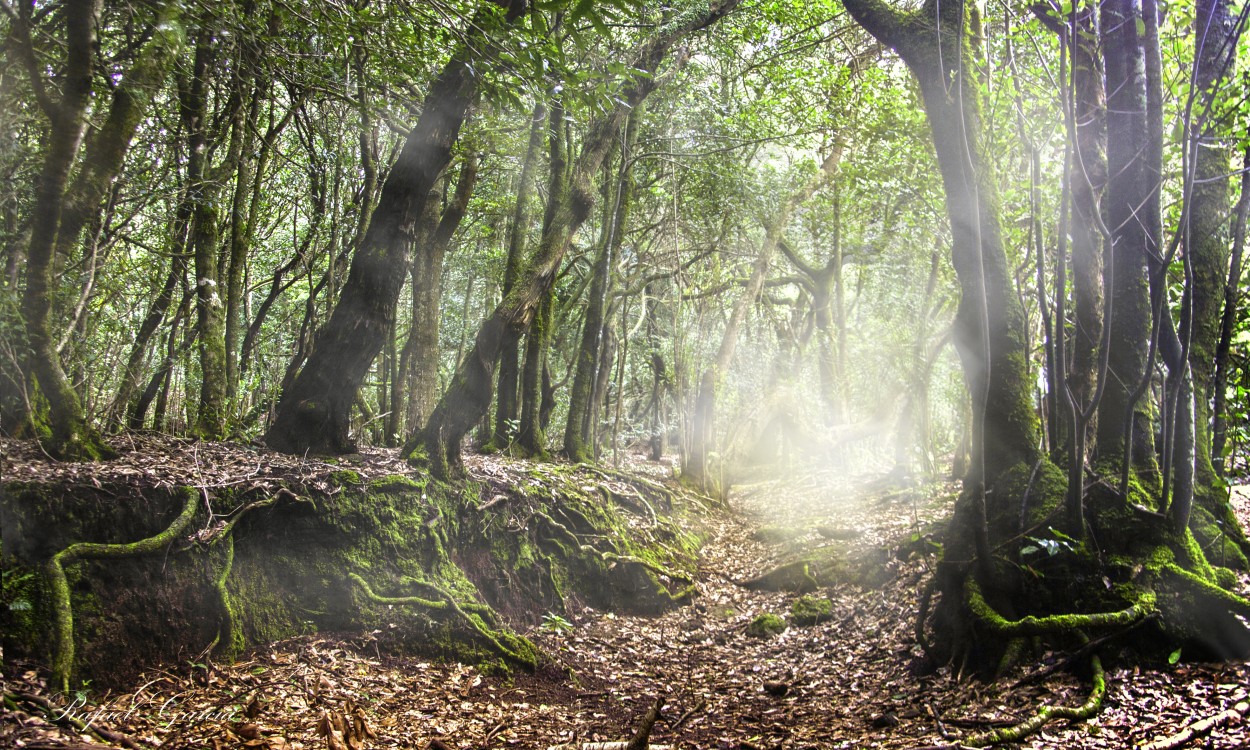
314 414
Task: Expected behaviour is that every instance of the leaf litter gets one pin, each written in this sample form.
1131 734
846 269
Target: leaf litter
850 681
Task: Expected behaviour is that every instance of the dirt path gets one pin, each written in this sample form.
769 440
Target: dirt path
847 682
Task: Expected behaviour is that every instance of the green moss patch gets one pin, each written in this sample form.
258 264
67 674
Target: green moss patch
810 610
766 625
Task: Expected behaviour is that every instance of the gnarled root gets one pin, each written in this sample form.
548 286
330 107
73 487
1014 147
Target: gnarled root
1046 714
58 584
523 655
1029 626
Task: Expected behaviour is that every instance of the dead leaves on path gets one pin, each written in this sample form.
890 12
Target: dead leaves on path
846 682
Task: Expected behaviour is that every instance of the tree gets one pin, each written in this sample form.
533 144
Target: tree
468 398
314 414
64 208
695 466
1013 491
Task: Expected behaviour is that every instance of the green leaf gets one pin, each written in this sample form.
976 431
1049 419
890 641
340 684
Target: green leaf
1174 657
580 10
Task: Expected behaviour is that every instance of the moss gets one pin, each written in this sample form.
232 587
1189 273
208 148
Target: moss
1226 578
1218 538
1038 489
23 625
395 484
406 536
766 625
809 610
345 478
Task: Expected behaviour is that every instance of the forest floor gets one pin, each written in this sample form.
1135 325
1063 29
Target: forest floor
848 682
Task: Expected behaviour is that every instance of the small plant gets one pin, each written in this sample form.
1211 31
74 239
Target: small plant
556 624
1060 543
12 586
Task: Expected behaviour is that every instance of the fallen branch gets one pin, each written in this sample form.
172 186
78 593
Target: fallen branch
58 585
640 740
616 745
1240 708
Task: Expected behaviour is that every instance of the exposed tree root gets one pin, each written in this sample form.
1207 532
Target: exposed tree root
228 633
1225 597
1030 625
228 630
611 557
61 716
1047 714
523 657
58 585
1240 708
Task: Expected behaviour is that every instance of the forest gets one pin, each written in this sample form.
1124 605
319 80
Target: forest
614 374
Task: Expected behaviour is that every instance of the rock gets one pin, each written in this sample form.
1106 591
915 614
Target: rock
841 534
810 610
766 625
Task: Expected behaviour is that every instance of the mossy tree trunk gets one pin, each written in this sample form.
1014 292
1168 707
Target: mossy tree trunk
105 153
1127 535
531 438
1087 181
660 377
70 435
204 191
1209 246
506 400
314 414
525 431
468 398
618 194
414 390
1129 188
1233 294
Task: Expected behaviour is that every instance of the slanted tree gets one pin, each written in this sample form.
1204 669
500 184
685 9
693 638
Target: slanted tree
69 433
467 399
518 227
618 194
314 414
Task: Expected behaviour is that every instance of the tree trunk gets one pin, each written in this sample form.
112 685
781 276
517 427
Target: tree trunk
468 397
203 187
70 435
524 430
660 380
314 414
427 296
531 438
1232 298
1208 241
695 467
506 401
618 193
1128 189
